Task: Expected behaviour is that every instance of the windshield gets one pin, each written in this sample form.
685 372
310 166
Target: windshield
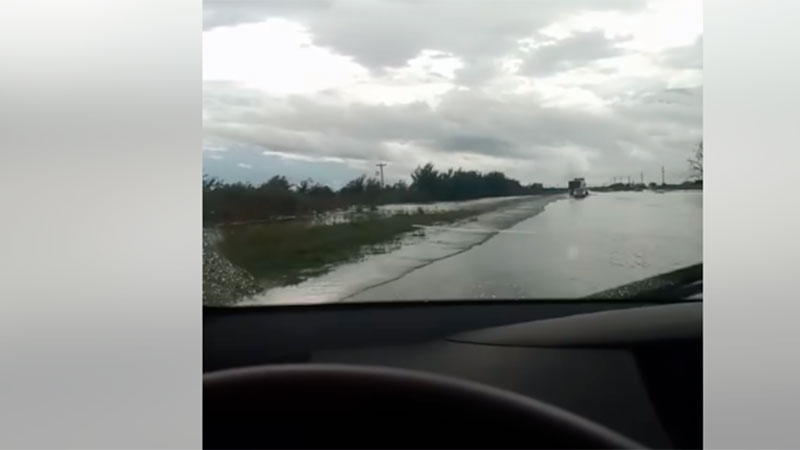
393 151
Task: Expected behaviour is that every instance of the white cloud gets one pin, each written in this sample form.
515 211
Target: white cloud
661 25
277 56
301 157
244 166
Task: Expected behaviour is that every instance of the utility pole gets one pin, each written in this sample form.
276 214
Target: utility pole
641 178
381 165
662 176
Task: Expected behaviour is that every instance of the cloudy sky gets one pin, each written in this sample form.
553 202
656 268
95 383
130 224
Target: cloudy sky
543 90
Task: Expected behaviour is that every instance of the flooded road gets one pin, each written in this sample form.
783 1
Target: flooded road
425 246
530 247
574 248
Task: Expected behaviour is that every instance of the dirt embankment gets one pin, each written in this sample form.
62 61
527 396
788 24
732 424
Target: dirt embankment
223 283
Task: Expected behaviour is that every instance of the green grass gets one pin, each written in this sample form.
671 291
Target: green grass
285 253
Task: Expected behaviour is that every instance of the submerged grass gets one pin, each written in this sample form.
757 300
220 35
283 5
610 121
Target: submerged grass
283 253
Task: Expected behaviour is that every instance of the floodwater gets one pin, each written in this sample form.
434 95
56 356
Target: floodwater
530 247
349 214
576 247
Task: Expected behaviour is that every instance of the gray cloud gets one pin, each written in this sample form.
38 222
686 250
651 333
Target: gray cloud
219 13
676 107
688 57
473 144
571 52
512 127
477 71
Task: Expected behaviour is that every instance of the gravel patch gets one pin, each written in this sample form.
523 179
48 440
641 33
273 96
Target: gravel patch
223 283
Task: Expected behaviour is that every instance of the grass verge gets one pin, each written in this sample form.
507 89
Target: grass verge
283 253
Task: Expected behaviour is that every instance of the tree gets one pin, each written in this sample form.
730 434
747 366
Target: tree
354 187
535 187
223 201
696 163
278 183
210 183
400 186
372 190
320 190
425 179
304 187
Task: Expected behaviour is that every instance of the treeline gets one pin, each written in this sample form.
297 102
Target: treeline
232 202
686 185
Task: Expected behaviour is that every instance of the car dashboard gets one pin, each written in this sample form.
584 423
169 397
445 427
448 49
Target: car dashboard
633 366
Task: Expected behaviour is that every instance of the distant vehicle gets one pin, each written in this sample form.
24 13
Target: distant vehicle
577 188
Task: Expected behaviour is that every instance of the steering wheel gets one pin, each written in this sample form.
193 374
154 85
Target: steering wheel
337 406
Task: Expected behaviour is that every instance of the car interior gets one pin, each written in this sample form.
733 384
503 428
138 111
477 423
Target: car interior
576 373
